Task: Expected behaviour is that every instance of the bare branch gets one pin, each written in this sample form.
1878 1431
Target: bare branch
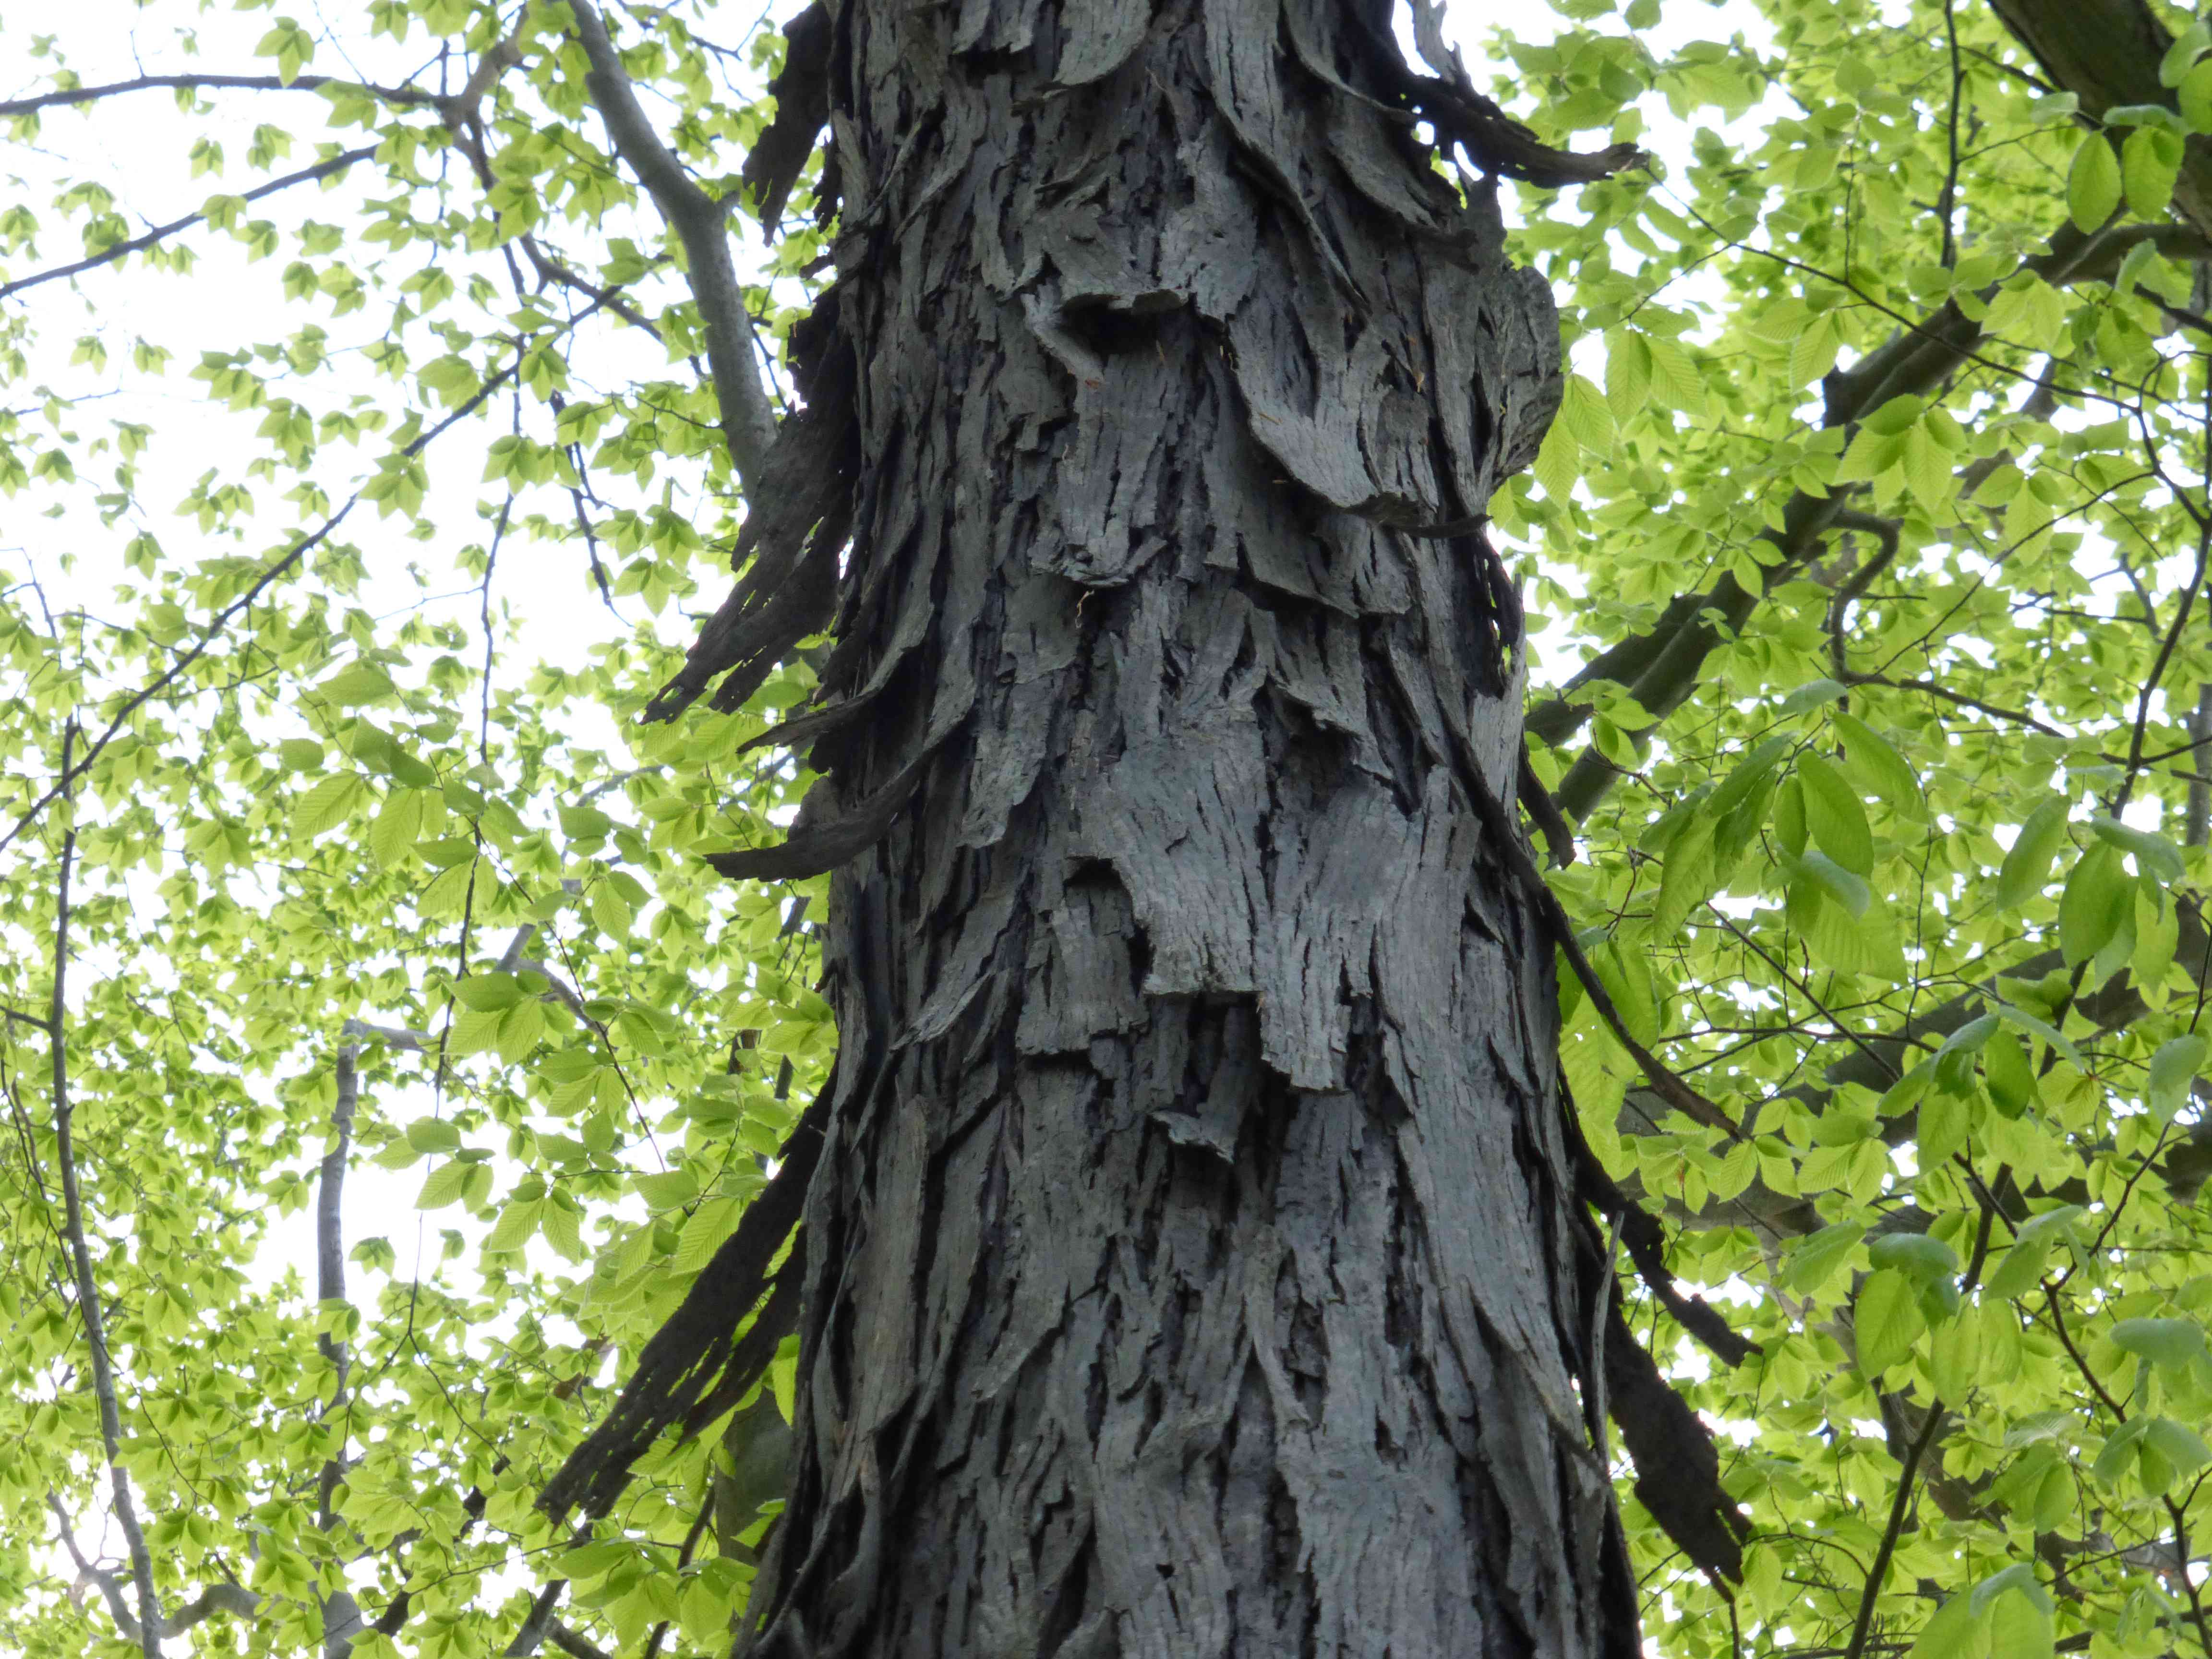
233 1599
573 1645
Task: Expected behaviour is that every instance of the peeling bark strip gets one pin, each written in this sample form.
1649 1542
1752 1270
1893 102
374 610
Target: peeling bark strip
1192 1264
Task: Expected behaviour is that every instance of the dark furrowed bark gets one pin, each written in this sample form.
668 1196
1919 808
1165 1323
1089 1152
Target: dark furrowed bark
1192 1266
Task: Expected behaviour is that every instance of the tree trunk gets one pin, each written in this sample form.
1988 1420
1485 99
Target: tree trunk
1192 1263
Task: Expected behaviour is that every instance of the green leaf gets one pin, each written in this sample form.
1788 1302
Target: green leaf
2028 866
430 1134
2155 854
1849 891
1878 770
2092 184
2090 910
2192 44
516 1226
2020 1627
668 1191
2196 98
1885 1321
702 1234
1834 817
1789 816
1866 943
1584 415
2015 1016
327 805
2179 1445
2010 1078
2021 1268
488 993
2171 1343
1955 1632
610 911
2174 1070
2119 1450
1815 1258
1919 1256
394 830
2016 1580
1811 695
2150 162
444 1185
1954 1061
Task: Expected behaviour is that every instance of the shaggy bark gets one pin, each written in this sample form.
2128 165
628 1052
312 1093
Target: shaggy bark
1192 1263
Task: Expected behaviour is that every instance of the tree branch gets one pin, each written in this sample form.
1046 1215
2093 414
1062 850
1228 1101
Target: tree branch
700 223
335 164
405 96
87 1287
573 1645
1661 666
292 555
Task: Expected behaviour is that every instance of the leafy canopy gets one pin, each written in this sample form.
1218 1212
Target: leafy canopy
364 481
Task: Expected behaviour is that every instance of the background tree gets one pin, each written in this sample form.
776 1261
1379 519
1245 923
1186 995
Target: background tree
1875 517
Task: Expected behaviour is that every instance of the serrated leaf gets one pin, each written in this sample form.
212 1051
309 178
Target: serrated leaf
2020 1627
2018 1016
702 1234
1812 354
519 1029
1846 889
1812 695
359 683
668 1190
610 912
1876 767
2093 184
1627 373
2178 1445
1919 1256
1834 817
1885 1321
1814 1260
1583 412
2150 162
444 1185
517 1225
328 803
393 831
